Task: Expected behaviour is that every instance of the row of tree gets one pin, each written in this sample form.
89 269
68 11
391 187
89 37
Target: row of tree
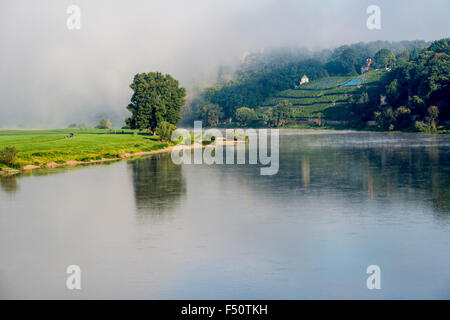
276 116
102 124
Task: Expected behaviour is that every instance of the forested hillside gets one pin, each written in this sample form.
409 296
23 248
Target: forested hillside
417 92
412 74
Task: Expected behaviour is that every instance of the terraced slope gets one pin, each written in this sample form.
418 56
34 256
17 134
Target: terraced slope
329 96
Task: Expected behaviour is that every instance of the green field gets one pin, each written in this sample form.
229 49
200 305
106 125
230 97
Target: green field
328 96
40 147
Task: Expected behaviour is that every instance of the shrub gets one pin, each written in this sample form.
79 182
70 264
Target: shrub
8 155
423 127
104 124
164 130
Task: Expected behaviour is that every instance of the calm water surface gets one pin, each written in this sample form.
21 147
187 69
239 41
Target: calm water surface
147 228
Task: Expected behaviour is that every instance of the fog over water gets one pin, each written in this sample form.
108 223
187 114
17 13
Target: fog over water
50 76
151 229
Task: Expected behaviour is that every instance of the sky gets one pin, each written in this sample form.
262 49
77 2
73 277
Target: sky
51 76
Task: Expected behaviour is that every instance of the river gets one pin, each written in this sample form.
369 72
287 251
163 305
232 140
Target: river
150 229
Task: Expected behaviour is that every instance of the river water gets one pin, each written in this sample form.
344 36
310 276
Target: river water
150 229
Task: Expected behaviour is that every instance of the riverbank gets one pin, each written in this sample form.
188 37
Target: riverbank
38 149
42 149
72 163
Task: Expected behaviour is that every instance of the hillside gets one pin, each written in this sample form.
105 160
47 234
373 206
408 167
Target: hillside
329 96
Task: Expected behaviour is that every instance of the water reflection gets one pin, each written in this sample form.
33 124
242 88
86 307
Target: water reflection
159 186
306 172
9 184
340 202
384 169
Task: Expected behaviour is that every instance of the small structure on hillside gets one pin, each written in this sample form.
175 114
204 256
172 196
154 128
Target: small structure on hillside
303 80
366 65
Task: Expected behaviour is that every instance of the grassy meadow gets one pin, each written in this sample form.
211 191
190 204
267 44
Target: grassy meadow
40 147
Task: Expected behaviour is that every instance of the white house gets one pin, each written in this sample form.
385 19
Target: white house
304 79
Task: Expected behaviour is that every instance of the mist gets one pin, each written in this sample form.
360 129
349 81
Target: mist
51 76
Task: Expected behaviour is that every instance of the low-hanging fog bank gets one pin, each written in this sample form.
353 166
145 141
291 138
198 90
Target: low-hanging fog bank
51 76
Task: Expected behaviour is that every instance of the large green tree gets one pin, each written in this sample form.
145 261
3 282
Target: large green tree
385 58
156 98
244 116
279 115
344 63
211 114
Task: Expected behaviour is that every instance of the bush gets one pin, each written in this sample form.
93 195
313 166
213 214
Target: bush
104 124
164 130
8 155
423 127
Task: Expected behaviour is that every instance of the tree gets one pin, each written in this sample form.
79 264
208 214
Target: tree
384 58
104 124
442 45
418 105
268 117
164 130
211 114
403 117
244 116
392 91
72 125
385 119
156 98
433 113
279 115
283 112
404 56
344 63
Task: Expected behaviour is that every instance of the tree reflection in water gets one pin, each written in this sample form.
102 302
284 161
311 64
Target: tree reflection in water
159 186
9 184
